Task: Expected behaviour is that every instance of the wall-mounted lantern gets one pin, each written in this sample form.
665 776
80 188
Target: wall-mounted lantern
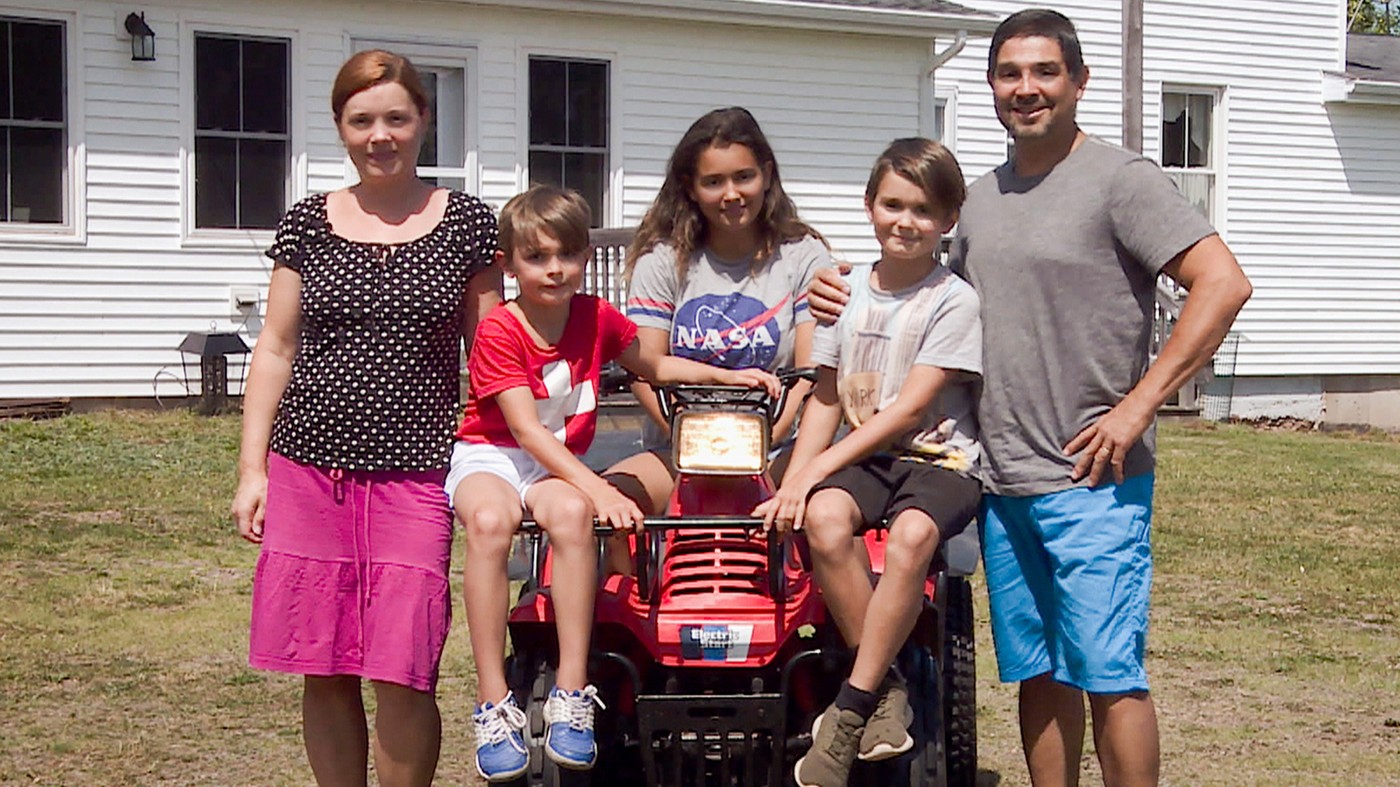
143 38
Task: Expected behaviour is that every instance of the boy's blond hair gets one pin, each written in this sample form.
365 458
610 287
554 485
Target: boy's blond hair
926 164
562 214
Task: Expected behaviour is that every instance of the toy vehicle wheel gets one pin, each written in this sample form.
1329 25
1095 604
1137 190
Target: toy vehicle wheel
960 686
926 764
531 679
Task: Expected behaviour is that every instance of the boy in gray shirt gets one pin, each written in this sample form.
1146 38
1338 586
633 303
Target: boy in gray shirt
901 365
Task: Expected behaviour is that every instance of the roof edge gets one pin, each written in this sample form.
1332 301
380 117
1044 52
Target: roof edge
802 14
1345 88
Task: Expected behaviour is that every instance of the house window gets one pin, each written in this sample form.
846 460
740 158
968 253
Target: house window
448 155
443 158
1189 145
241 139
569 127
33 122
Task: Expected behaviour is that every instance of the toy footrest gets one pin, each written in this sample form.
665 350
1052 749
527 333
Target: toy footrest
691 740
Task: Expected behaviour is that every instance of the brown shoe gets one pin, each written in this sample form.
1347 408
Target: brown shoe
835 738
887 731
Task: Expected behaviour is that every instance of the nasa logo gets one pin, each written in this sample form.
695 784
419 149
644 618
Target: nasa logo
734 331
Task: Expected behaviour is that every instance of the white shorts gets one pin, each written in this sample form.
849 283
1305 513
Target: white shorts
515 466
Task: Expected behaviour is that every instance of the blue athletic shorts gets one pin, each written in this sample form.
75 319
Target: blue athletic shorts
1068 575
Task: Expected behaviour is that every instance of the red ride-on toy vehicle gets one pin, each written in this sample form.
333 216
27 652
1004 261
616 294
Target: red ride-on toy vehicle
715 654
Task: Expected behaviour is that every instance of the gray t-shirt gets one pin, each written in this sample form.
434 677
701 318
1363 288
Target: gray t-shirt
882 335
1066 265
726 313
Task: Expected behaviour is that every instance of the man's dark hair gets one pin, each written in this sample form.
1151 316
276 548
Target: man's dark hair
1044 23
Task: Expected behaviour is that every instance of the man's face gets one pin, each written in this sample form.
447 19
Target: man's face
1034 93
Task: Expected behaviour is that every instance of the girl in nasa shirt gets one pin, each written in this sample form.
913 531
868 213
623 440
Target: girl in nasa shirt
718 273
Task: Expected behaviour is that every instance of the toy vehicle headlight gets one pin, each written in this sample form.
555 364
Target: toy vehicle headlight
720 442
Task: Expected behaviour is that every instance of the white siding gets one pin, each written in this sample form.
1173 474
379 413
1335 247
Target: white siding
1311 191
102 318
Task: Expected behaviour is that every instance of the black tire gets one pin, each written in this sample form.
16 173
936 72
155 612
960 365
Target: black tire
924 765
536 677
960 686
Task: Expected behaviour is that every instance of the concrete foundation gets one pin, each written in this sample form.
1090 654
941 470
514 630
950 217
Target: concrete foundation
1335 400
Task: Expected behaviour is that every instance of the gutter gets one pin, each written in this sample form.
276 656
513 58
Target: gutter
1345 88
790 14
937 61
926 84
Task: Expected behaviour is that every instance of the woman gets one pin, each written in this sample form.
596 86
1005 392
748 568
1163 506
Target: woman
348 419
718 272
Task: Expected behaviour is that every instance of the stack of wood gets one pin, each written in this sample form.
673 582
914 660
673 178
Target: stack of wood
33 409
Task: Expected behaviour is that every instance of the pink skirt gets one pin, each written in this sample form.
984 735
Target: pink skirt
352 578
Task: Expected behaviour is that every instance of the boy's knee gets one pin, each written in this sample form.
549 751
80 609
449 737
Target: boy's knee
488 525
567 518
831 521
914 533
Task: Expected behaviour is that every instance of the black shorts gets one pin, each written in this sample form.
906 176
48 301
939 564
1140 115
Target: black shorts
883 486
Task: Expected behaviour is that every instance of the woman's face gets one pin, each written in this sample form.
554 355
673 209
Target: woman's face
382 130
729 188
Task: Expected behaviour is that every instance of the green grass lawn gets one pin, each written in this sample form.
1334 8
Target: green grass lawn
1275 651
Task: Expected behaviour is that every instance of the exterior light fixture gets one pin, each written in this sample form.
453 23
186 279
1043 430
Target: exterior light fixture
143 38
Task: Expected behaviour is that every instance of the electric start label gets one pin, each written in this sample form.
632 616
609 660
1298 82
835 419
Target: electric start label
716 642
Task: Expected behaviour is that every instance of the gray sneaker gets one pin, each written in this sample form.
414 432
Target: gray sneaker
887 731
835 738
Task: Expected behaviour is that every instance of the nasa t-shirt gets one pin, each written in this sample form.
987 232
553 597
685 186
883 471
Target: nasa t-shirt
731 314
726 313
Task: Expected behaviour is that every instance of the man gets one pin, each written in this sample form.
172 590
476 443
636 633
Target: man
1064 243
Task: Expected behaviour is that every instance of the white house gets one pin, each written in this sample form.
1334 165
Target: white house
140 194
137 205
1292 147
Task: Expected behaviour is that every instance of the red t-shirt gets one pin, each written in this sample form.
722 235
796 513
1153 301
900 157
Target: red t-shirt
563 378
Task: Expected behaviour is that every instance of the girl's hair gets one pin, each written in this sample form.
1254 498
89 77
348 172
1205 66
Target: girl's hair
675 219
926 164
559 213
374 67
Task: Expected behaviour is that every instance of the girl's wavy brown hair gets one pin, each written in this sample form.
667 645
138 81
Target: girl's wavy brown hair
675 219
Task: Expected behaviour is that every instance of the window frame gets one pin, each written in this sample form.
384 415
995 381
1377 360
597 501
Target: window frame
73 229
191 235
613 171
1218 157
433 54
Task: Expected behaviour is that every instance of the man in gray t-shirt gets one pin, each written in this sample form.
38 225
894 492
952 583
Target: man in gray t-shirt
1063 244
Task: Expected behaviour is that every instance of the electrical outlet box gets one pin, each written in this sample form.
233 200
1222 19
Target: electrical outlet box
243 301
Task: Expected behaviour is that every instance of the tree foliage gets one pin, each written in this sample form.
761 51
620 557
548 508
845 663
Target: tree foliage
1374 16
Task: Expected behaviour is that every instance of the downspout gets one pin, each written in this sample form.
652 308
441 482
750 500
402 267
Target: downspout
936 60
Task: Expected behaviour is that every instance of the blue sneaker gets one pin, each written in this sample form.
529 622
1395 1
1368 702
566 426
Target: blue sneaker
500 750
568 738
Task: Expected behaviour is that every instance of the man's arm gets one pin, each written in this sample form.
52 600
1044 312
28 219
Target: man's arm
1217 289
828 294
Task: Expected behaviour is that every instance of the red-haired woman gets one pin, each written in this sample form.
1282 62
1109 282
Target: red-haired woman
347 426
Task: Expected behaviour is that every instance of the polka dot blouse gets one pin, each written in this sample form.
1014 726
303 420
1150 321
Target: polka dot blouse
374 384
